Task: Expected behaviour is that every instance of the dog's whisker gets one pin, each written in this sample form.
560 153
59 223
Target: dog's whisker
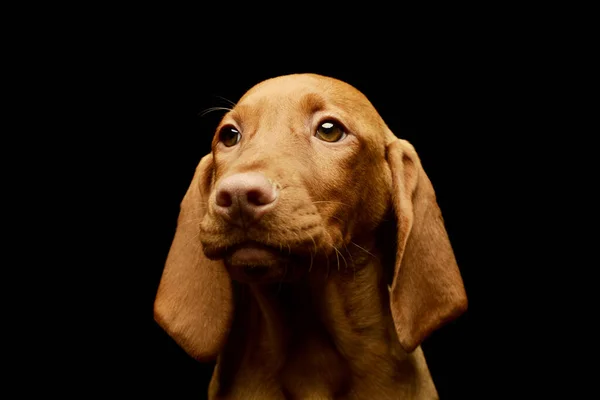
332 202
363 249
349 253
311 262
351 260
313 240
212 109
227 100
343 258
337 257
298 236
309 235
339 219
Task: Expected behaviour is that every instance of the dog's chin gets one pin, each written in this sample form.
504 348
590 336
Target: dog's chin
259 264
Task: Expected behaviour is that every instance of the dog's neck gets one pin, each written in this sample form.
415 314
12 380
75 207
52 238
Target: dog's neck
331 333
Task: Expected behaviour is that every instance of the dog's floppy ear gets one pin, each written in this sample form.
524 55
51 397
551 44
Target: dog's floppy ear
194 300
427 289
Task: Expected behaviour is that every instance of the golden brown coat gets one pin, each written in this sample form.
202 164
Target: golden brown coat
370 272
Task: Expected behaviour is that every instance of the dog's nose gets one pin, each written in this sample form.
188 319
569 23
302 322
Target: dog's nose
244 198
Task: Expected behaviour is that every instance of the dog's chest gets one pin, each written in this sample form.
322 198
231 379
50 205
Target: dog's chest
313 366
293 353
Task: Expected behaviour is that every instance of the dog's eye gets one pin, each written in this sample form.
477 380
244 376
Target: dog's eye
229 136
330 132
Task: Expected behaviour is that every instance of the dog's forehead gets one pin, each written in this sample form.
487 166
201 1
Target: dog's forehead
300 87
286 96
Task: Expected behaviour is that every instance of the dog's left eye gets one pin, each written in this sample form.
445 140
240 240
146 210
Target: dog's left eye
229 136
330 131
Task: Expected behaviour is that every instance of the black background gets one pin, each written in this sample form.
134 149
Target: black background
433 109
142 136
102 136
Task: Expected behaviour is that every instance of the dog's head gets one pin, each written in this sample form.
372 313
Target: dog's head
301 167
298 166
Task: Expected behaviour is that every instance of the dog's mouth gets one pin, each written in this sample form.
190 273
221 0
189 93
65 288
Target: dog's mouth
252 262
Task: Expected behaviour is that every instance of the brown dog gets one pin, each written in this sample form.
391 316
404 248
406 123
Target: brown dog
310 255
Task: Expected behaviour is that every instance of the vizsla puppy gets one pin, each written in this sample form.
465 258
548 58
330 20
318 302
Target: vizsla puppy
310 256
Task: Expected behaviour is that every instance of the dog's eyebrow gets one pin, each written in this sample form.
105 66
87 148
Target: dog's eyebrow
312 102
238 113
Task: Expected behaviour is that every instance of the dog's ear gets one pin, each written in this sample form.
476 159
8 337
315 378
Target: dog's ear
194 301
427 289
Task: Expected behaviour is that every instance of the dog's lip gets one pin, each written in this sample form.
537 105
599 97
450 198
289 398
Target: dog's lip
257 263
253 254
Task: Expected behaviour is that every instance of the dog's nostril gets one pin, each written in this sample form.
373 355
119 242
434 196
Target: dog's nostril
256 272
244 198
257 197
224 198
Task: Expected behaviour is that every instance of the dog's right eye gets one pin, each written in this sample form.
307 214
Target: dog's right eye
330 131
229 136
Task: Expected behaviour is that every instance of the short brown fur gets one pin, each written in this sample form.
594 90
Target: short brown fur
382 274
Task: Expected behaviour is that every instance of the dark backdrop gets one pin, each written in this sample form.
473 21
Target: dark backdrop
109 99
150 138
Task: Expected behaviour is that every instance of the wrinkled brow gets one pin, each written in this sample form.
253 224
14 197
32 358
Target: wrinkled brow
312 102
309 103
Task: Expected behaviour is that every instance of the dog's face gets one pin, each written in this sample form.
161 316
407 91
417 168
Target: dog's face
302 167
320 147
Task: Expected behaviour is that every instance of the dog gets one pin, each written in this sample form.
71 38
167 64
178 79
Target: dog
310 257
